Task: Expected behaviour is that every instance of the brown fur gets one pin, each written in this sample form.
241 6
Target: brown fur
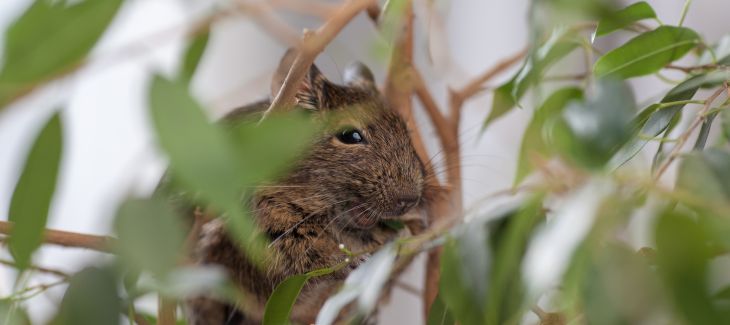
337 194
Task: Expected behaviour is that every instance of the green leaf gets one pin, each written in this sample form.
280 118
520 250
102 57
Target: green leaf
281 301
439 313
459 295
11 313
532 140
141 243
509 237
652 121
682 257
599 126
560 44
502 102
363 286
647 53
725 115
268 149
49 39
202 157
33 194
706 174
91 298
625 17
193 54
607 295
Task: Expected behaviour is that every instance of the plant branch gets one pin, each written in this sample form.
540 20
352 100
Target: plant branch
701 116
38 268
69 239
311 45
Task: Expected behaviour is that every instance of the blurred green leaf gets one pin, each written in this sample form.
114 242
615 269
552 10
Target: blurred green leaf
439 313
203 158
502 102
91 299
706 174
625 17
607 295
11 313
281 301
682 257
33 194
363 286
269 148
647 53
188 281
508 95
141 243
560 44
725 115
50 38
193 54
464 272
656 119
600 125
509 237
532 140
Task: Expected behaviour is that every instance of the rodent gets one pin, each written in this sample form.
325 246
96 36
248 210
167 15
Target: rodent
340 192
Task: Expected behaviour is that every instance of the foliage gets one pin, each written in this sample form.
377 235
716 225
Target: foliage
557 242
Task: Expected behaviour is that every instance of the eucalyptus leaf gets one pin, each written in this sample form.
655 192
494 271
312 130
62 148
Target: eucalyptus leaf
624 18
600 125
11 313
142 243
203 158
508 95
725 115
91 298
454 287
49 38
533 141
281 301
654 119
502 103
193 54
364 286
683 257
33 194
647 53
509 237
559 45
706 174
439 314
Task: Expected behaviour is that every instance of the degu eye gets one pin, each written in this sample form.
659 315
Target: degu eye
350 136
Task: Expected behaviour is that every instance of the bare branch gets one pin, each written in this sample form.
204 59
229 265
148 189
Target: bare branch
37 268
311 45
166 311
69 239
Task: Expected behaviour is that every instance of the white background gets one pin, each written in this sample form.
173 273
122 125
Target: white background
109 150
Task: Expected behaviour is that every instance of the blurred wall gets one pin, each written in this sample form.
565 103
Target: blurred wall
110 152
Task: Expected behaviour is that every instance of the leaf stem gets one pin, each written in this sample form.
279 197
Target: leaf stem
685 9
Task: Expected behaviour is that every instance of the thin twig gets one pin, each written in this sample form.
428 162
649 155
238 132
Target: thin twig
166 311
475 85
701 116
69 239
37 268
311 45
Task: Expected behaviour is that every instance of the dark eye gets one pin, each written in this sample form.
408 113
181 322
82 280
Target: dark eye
350 136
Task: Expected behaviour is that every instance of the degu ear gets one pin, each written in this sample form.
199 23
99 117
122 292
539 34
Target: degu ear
312 88
358 75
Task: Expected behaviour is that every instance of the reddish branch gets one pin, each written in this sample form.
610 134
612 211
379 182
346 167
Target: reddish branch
69 239
311 45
